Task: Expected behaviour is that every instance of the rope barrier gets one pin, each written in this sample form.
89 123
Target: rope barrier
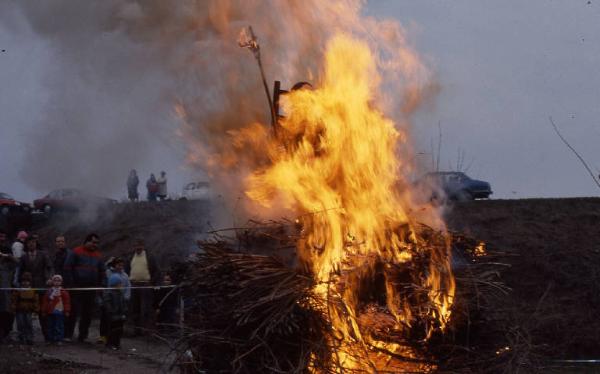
85 288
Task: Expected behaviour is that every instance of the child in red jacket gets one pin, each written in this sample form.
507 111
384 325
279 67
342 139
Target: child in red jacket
56 305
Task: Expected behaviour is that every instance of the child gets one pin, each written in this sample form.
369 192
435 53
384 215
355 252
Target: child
115 307
24 303
114 265
56 305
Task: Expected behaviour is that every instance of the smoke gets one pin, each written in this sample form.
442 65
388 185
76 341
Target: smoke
121 69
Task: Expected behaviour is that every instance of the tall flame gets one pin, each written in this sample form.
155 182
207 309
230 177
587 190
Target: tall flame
336 165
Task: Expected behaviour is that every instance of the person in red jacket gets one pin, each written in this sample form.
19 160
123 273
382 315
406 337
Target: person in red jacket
56 305
84 268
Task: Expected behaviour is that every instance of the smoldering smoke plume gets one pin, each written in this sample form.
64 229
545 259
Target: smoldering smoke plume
122 68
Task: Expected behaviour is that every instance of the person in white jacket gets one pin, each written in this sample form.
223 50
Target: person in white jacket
162 186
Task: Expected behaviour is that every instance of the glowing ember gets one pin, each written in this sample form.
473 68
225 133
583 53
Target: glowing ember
479 251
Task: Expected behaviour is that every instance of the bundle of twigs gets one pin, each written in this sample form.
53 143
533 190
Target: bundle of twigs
477 341
252 313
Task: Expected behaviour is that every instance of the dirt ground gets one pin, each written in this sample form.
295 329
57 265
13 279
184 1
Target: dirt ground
139 355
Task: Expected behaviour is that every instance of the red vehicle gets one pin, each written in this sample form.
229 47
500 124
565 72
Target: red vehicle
9 205
69 199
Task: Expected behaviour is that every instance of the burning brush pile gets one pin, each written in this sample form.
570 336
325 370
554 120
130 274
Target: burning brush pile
370 288
264 313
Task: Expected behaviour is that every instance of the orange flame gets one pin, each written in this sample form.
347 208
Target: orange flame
336 164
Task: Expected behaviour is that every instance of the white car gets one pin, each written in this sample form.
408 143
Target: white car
196 191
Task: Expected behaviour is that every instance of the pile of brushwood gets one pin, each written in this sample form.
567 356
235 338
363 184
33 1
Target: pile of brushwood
249 313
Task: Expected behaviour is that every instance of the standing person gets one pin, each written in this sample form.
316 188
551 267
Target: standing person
83 269
60 255
116 311
143 271
152 187
18 247
38 264
25 302
114 266
59 258
56 305
39 246
166 303
132 185
162 186
8 264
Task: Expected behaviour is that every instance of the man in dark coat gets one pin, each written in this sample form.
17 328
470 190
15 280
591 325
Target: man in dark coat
8 264
132 185
60 255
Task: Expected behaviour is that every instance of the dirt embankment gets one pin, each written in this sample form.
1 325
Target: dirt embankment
169 229
553 249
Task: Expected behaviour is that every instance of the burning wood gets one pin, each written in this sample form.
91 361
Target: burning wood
255 313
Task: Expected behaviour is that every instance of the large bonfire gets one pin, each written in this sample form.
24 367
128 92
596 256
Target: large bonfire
368 274
334 162
370 281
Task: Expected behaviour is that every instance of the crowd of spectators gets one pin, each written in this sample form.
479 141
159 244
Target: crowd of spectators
66 288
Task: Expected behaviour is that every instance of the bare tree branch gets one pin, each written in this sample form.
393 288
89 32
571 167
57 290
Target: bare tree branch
575 152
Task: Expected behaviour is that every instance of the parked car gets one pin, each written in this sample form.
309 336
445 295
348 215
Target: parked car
8 205
196 191
70 199
453 185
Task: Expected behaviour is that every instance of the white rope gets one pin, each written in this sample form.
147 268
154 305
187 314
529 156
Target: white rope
85 288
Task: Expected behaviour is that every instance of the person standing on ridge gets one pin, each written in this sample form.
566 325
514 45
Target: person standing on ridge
162 186
132 185
152 187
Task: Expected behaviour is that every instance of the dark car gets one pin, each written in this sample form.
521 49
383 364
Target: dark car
8 205
453 185
70 199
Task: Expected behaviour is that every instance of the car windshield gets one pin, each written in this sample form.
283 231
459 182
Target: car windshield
5 196
196 185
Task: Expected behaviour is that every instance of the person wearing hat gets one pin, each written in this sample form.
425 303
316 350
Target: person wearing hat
114 265
56 305
115 307
18 247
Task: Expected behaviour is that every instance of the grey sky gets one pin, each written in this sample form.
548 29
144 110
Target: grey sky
503 68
